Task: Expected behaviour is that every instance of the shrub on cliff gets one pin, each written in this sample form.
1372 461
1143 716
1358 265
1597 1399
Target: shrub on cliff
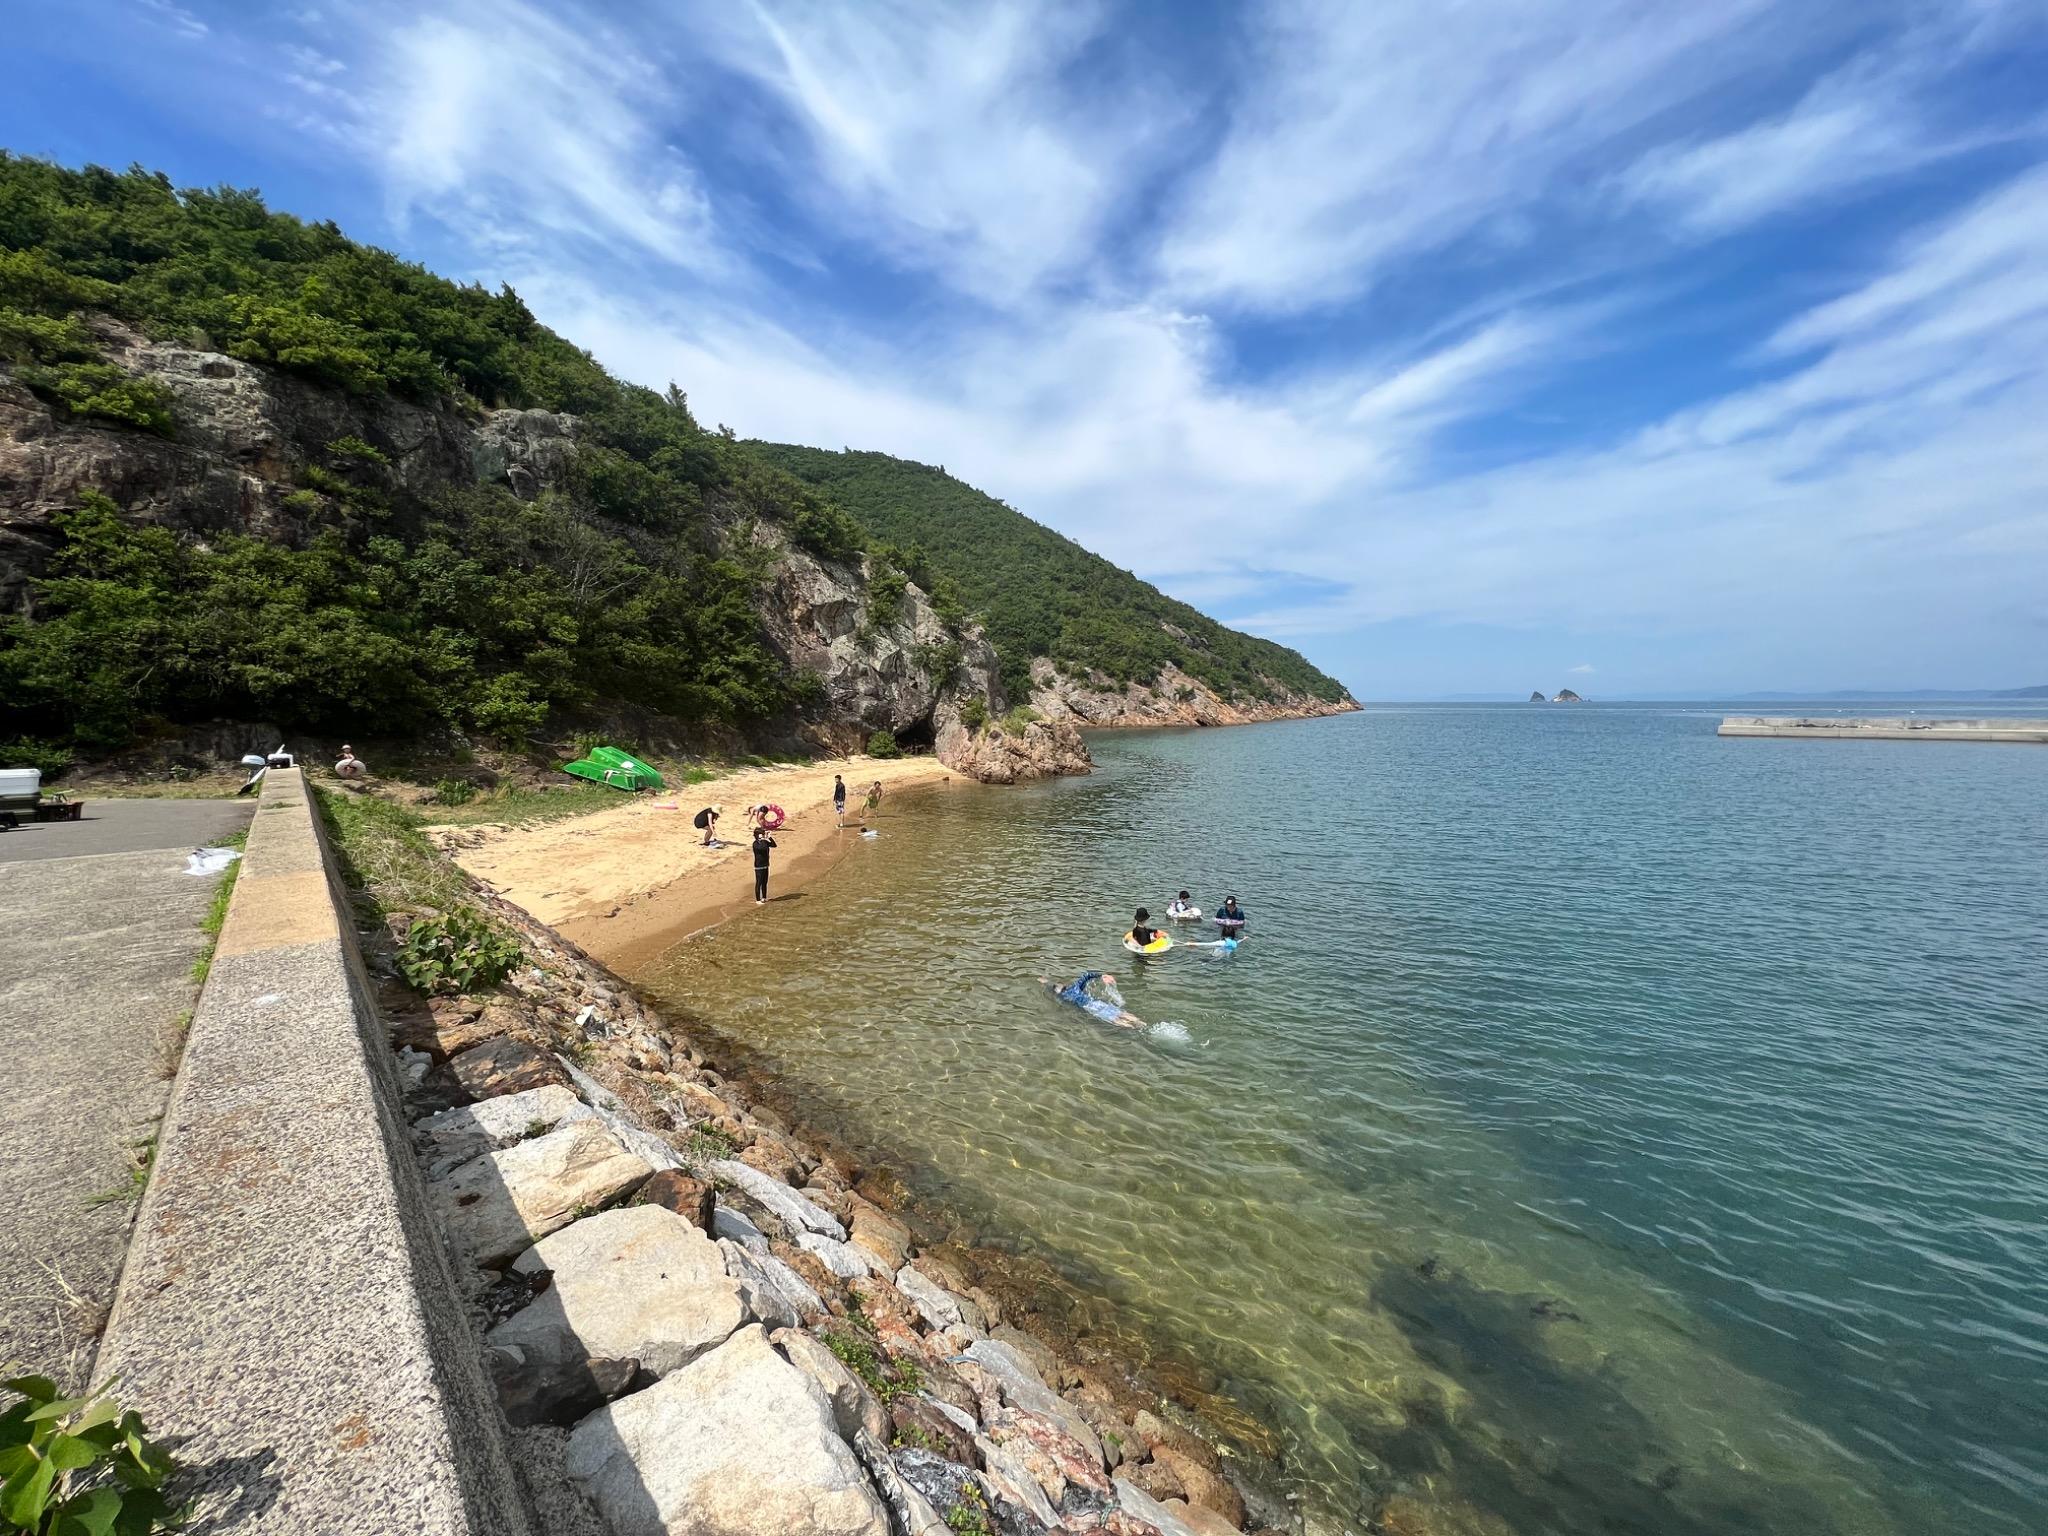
884 744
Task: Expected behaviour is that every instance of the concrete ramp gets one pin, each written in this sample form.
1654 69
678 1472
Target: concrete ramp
1885 728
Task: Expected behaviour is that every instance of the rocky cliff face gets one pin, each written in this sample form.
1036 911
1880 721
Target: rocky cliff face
246 434
1174 698
905 672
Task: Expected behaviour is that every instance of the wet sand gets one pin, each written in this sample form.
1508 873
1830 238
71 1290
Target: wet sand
626 884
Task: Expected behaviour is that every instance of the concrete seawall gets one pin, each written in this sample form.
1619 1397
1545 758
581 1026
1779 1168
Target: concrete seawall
287 1316
1885 728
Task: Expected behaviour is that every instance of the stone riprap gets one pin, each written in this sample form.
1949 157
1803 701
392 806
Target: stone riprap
802 1368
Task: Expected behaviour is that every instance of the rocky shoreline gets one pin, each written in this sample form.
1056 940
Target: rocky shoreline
700 1318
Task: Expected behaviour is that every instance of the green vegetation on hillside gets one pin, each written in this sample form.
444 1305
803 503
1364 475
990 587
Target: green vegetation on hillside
1039 593
384 614
381 611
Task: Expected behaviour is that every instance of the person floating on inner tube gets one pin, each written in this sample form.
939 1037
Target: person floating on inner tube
1180 906
1142 933
1103 1002
1230 917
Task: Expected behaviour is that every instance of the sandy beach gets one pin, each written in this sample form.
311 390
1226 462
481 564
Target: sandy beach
627 883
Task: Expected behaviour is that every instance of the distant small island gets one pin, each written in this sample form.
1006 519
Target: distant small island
1564 696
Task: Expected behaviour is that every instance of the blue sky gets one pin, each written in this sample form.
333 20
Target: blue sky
1469 348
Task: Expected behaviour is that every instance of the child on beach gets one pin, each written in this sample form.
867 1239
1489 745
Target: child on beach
706 821
762 843
839 798
874 800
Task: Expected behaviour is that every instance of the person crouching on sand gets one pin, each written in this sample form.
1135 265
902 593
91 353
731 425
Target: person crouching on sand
762 843
706 821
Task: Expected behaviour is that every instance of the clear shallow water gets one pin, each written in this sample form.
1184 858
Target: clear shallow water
1606 1128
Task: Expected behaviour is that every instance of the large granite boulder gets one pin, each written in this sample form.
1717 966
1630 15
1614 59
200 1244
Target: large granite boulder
497 1205
453 1137
793 1210
1021 1386
854 1407
772 1292
937 1306
737 1443
635 1283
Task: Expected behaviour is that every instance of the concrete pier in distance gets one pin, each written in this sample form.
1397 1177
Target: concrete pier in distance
1886 728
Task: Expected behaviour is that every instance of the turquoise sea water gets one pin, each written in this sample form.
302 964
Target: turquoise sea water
1606 1127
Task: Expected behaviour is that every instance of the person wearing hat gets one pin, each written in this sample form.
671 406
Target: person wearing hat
350 766
706 821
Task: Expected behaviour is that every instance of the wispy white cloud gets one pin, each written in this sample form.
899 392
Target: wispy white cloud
508 124
949 138
1094 274
1368 133
1874 118
176 17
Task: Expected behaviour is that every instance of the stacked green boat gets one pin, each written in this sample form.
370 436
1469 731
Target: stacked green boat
621 770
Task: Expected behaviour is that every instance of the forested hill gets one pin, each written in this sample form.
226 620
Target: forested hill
237 480
1040 593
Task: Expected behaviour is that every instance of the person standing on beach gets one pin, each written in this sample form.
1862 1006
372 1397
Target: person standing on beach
762 843
839 798
874 800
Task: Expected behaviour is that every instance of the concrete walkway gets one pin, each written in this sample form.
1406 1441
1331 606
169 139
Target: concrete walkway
99 925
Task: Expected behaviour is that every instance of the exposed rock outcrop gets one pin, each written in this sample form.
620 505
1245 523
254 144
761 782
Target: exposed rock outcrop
1173 698
245 433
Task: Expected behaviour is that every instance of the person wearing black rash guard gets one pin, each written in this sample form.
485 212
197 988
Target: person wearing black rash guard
1230 916
762 843
1141 935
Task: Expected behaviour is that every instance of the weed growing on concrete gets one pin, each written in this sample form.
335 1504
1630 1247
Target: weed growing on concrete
141 1158
217 913
169 1046
78 1464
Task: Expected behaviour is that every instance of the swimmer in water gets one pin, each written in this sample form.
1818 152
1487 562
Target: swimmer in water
1104 1002
1142 931
1180 906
